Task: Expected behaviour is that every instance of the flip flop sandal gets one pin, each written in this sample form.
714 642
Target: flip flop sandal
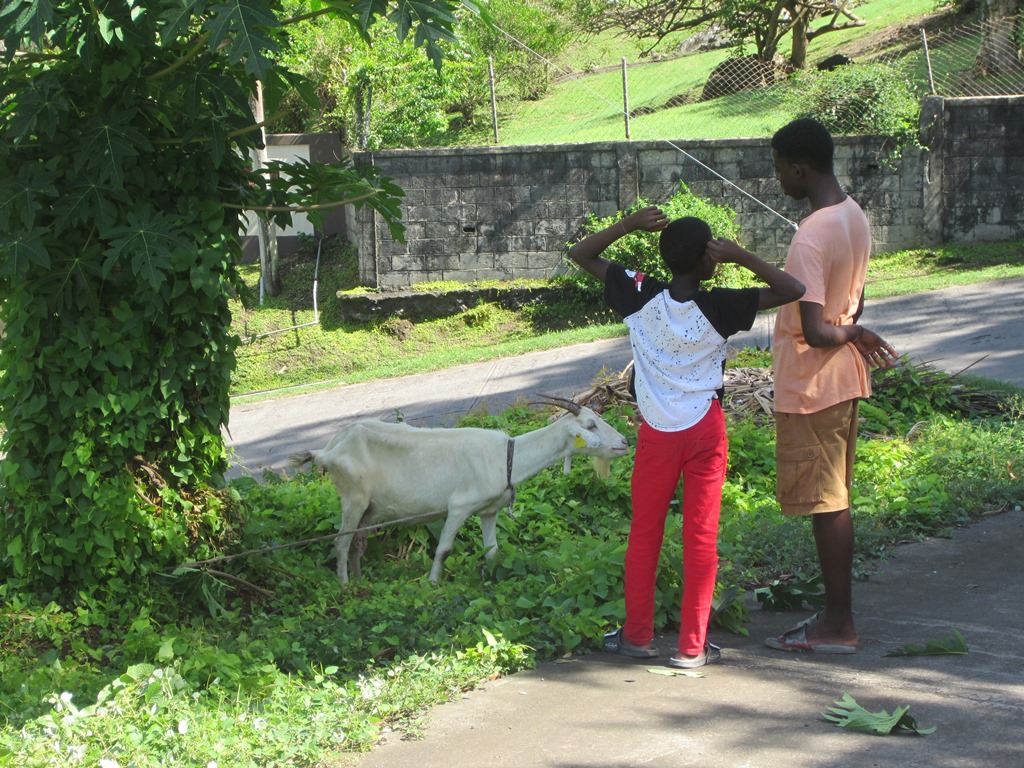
795 640
614 642
804 622
712 654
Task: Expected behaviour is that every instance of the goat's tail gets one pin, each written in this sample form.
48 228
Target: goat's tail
302 459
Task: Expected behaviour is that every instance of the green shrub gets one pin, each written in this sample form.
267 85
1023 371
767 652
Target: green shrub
981 462
639 250
862 98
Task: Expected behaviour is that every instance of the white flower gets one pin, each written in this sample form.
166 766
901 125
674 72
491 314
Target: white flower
106 762
183 726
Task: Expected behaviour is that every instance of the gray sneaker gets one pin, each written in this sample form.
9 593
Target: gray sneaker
712 655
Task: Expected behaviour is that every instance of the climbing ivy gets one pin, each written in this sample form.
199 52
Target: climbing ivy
126 129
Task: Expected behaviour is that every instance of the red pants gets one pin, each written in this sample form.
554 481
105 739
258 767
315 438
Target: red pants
699 456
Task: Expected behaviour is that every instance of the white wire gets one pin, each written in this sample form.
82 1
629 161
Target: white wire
674 146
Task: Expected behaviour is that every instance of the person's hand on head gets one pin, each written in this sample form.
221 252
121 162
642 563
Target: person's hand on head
724 251
649 219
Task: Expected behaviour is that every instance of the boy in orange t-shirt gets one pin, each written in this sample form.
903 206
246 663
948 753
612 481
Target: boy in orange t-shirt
822 361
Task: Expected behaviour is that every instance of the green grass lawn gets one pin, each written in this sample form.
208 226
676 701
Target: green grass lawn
903 272
589 107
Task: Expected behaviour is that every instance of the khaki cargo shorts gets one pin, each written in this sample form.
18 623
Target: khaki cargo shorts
814 457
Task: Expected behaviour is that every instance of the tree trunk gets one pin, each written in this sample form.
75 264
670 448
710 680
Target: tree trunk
1000 52
270 268
800 24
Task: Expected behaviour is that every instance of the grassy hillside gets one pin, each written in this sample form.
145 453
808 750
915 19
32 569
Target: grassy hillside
587 103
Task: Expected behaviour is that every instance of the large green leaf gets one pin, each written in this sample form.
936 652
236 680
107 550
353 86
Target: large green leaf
433 20
19 251
314 187
36 109
109 139
847 713
28 18
25 196
177 19
955 645
243 25
147 246
88 204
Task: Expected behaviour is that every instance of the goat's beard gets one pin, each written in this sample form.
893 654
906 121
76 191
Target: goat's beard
602 467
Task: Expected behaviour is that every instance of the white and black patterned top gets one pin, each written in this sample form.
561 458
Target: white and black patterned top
678 346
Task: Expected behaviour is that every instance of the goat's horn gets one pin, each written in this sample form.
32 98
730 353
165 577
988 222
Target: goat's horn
570 405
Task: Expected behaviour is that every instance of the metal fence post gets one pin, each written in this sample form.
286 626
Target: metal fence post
928 60
625 95
494 99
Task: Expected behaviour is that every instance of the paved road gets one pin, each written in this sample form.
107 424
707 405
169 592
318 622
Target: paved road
980 327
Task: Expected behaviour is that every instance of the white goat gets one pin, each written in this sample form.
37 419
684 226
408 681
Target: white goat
386 473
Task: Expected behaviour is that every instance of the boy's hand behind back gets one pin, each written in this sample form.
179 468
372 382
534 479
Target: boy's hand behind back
876 350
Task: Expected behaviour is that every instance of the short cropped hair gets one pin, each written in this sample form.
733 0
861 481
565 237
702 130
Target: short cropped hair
805 141
683 243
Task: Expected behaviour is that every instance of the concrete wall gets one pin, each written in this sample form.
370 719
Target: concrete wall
503 212
476 213
976 167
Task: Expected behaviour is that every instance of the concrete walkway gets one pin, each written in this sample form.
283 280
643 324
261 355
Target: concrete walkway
761 708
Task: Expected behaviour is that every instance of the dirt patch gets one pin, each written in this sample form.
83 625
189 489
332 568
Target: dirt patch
900 39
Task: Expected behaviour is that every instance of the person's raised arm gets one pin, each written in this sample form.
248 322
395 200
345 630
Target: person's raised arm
587 252
782 287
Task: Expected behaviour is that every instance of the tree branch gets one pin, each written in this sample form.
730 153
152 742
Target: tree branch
190 54
299 208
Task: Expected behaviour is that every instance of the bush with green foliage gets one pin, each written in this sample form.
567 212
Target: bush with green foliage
639 250
869 98
385 94
126 136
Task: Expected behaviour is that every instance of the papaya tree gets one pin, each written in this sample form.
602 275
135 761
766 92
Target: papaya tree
126 132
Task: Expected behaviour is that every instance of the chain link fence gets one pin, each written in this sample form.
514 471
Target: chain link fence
713 94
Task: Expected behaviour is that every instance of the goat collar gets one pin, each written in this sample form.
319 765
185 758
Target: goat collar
508 476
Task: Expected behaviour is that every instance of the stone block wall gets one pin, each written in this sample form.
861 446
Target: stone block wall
481 213
976 166
475 213
484 213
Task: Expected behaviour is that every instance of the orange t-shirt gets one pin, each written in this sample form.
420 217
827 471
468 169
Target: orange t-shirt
829 255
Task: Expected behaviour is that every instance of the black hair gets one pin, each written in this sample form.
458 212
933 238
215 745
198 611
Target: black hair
683 244
805 141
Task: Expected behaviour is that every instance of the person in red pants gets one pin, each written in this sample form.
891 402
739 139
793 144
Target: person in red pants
678 334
